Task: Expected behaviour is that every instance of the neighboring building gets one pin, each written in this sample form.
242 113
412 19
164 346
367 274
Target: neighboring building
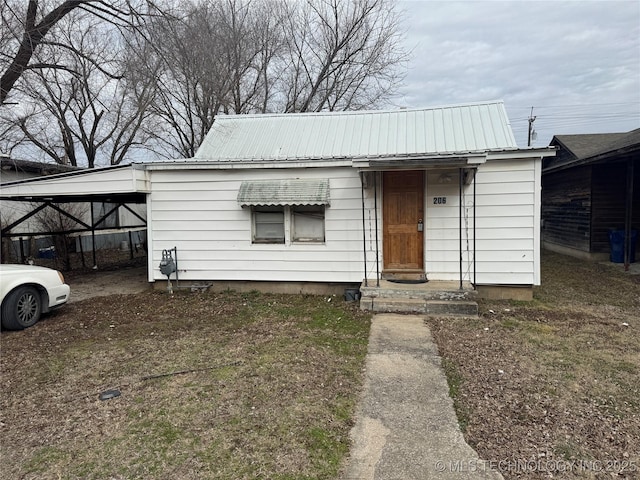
590 188
332 198
12 169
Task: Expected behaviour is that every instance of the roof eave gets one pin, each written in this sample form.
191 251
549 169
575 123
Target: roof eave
632 149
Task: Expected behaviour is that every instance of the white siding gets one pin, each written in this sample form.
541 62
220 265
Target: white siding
442 226
197 212
507 224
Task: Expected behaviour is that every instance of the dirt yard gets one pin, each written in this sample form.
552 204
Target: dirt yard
211 386
231 386
551 388
98 283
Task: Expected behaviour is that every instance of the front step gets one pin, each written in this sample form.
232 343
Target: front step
465 308
435 298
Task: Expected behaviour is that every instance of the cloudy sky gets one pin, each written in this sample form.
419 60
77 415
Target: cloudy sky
576 62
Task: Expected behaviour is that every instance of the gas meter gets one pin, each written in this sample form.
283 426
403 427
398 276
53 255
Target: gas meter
168 265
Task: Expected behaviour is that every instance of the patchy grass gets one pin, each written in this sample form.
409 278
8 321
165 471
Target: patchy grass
268 388
554 380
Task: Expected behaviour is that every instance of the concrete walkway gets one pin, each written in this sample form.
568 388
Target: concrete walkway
406 428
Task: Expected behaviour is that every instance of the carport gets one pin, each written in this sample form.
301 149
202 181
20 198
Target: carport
119 187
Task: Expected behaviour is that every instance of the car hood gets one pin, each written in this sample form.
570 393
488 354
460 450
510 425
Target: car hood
21 268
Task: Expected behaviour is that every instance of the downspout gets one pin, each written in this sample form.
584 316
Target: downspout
375 208
460 172
364 231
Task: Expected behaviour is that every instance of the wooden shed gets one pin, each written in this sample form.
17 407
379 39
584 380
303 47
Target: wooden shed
591 188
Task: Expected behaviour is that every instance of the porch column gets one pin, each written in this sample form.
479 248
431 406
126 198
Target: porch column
460 185
364 230
375 214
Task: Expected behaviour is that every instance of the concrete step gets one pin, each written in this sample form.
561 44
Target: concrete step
393 305
457 307
423 294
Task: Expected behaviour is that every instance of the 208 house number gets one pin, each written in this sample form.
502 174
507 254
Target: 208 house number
439 200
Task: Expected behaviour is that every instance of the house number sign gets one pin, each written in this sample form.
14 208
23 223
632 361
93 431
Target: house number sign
439 200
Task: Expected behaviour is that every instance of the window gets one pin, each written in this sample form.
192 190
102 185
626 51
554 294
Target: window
286 211
268 224
288 224
307 223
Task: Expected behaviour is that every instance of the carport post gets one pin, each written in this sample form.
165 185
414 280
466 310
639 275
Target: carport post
93 237
130 246
22 257
81 251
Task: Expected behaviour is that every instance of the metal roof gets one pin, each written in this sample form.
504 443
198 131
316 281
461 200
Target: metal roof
477 127
284 192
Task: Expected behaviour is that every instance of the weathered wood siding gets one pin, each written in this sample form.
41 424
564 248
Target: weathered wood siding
566 208
580 205
197 212
507 224
609 197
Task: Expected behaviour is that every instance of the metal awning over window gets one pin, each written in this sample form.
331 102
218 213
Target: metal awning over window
284 192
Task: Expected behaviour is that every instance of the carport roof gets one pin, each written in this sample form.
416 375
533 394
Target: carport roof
120 183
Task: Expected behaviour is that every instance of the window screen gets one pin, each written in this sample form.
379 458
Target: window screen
307 223
268 224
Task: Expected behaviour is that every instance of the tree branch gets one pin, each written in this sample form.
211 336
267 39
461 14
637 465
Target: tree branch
33 35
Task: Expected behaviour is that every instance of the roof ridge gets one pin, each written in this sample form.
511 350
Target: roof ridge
359 112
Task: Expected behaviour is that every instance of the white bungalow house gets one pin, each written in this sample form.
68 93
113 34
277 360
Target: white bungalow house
301 201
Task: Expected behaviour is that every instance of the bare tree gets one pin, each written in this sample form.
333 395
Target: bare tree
212 57
257 56
183 58
51 220
341 55
26 30
93 114
252 39
184 65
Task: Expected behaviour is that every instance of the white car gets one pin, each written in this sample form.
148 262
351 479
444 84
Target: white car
27 291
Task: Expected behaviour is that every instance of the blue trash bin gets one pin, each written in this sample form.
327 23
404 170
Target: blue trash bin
616 242
47 253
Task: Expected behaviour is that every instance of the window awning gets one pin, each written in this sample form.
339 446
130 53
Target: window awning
284 192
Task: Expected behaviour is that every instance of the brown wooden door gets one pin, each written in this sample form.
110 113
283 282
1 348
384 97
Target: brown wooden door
402 209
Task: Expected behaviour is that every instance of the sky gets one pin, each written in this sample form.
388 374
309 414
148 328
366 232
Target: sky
577 63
